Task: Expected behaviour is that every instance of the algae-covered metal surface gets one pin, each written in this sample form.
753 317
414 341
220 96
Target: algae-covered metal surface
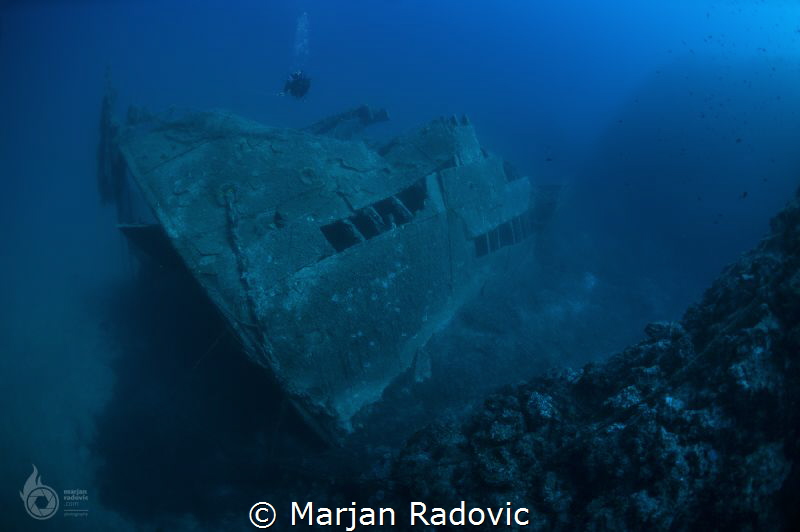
332 260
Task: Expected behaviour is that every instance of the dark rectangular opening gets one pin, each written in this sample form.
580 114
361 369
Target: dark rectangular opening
368 222
414 197
481 246
341 234
377 218
506 234
392 212
494 240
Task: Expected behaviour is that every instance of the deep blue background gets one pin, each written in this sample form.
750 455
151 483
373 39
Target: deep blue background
673 125
645 100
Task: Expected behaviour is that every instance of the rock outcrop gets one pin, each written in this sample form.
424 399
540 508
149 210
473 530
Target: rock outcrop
694 427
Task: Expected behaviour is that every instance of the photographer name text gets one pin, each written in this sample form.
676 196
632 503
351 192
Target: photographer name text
350 518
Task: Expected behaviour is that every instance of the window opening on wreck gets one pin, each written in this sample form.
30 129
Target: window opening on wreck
507 233
481 246
414 197
494 240
341 234
393 212
381 216
368 222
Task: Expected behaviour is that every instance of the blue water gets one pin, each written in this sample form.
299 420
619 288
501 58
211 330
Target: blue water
673 126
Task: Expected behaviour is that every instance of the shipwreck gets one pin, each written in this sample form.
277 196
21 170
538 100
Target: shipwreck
332 259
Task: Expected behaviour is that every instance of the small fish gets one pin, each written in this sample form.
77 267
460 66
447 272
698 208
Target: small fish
744 195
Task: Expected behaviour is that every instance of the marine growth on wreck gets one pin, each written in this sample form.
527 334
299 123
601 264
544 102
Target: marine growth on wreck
334 261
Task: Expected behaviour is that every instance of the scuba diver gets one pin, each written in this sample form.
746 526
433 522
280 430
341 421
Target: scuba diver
297 85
